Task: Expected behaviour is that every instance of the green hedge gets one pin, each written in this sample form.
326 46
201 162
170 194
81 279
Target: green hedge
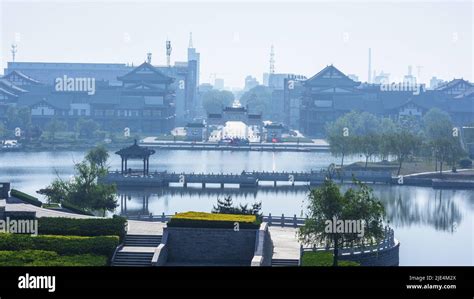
82 227
25 197
323 259
75 209
64 245
28 258
213 220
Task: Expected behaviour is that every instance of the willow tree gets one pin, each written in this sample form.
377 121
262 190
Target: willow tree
327 202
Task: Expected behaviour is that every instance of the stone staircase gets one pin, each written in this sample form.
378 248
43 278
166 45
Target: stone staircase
135 257
284 263
132 259
142 240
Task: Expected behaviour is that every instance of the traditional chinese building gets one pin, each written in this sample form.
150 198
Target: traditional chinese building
330 94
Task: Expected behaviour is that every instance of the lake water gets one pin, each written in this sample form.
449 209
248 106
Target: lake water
435 227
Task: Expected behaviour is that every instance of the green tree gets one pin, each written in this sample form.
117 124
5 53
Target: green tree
328 203
387 129
226 206
341 135
368 145
86 127
404 144
84 190
214 100
53 127
18 117
258 99
3 131
98 156
439 132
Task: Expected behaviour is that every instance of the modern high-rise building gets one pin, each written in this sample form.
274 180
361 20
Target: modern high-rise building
219 84
194 55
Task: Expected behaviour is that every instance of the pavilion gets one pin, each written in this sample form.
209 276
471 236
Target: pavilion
135 152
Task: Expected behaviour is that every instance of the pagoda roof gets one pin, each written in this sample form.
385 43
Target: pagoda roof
330 76
453 83
146 73
11 87
8 93
135 152
23 76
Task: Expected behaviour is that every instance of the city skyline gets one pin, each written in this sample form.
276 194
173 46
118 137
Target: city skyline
232 49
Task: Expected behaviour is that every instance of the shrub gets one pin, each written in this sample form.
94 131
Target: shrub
83 227
49 258
25 197
465 163
75 209
323 259
51 206
212 220
65 245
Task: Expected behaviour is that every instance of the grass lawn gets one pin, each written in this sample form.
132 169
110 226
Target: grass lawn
409 167
322 259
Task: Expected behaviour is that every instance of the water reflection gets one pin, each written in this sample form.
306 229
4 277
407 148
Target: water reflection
406 206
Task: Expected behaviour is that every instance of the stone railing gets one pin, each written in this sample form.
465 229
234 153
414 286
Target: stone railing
263 247
382 253
387 242
282 220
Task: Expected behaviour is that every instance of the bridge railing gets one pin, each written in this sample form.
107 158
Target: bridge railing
284 221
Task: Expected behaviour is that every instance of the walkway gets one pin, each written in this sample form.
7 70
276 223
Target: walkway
285 242
17 205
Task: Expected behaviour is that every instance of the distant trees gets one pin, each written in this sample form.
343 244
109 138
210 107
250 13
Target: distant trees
403 145
364 134
18 117
442 138
53 127
341 141
86 127
226 206
257 99
214 100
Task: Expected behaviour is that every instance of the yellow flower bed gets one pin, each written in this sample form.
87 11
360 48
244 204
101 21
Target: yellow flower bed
211 220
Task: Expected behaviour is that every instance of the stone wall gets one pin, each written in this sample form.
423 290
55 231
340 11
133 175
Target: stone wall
263 247
386 257
202 246
160 256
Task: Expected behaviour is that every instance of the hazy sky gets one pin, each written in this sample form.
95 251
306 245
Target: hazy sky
234 38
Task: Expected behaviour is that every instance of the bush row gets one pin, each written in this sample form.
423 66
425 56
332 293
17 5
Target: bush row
75 209
49 258
212 220
25 197
82 227
64 245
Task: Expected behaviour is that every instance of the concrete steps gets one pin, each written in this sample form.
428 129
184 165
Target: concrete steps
284 263
142 240
139 257
132 259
